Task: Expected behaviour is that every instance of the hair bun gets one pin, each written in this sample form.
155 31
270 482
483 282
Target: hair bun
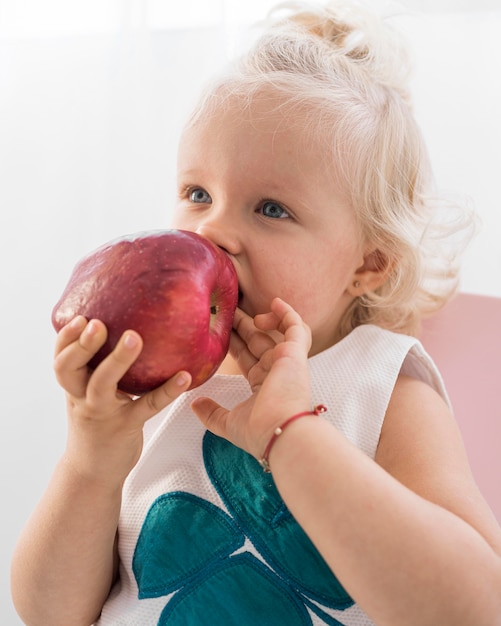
352 32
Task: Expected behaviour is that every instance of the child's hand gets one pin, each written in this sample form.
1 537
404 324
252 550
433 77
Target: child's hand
277 372
105 425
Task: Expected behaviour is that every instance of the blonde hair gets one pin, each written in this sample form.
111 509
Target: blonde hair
345 72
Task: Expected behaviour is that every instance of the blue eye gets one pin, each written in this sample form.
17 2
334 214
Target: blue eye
199 195
273 210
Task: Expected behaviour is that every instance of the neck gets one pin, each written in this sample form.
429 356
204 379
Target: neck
229 366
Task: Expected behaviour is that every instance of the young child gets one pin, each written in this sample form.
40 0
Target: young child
303 162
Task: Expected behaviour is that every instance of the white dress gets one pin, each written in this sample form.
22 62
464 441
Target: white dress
204 537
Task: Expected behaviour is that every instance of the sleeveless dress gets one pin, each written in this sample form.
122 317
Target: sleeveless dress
204 537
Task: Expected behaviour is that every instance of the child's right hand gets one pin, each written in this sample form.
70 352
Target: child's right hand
105 425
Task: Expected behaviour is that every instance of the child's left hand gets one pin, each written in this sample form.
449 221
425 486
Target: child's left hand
277 372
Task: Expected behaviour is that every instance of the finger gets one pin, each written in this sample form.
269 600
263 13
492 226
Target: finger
104 380
243 324
267 321
77 343
69 333
257 342
241 352
239 317
212 415
154 401
291 323
281 317
260 356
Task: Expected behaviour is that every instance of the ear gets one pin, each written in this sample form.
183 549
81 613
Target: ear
372 274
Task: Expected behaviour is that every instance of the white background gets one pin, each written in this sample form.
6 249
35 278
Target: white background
92 96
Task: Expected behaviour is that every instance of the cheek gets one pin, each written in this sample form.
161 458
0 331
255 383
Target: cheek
184 217
297 283
317 287
180 221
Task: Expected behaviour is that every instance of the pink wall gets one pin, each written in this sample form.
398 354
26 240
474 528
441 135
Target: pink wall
465 341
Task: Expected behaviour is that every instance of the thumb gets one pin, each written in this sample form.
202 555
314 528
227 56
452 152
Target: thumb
212 415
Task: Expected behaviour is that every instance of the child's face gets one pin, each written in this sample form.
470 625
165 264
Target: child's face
252 182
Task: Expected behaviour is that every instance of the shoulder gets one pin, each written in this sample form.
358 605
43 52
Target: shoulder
422 447
418 426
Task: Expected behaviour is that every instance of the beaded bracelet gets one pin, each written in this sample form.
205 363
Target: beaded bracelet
264 462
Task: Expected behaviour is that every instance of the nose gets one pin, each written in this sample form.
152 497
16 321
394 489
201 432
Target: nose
220 226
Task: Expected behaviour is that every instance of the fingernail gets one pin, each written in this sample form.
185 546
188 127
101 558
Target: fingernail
130 341
91 328
182 379
77 322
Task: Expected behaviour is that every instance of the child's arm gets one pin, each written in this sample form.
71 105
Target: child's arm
409 537
65 561
415 547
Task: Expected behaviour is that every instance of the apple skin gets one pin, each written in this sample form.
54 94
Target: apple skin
175 288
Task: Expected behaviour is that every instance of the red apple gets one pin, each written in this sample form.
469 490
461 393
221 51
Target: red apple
175 288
